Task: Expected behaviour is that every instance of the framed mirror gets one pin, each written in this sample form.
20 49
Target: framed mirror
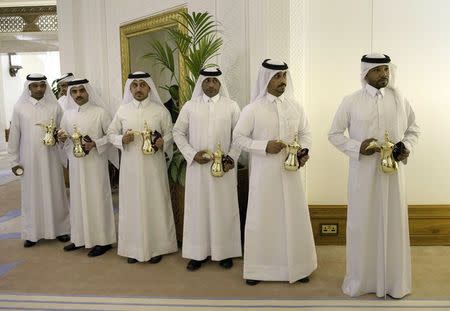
135 42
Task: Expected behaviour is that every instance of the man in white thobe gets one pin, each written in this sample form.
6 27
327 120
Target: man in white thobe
45 214
378 252
146 224
91 209
211 211
62 85
279 243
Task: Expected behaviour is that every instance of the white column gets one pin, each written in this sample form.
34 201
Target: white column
83 42
234 57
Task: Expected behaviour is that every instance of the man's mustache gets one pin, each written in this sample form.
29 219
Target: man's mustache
282 84
79 97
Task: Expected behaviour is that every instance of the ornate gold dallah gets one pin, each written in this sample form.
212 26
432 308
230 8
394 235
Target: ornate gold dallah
50 132
217 157
217 165
146 134
291 162
387 163
77 138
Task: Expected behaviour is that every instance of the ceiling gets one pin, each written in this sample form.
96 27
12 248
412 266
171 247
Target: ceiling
28 41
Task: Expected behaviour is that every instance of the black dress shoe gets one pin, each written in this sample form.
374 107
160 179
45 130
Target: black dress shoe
195 264
29 243
63 238
131 260
99 250
71 247
155 259
226 263
252 282
304 280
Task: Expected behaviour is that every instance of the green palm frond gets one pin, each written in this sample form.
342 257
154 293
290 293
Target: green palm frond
208 47
165 87
202 25
174 166
197 42
199 57
182 173
182 40
186 94
163 56
182 21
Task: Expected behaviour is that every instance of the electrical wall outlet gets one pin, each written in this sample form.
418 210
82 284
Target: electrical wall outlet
328 229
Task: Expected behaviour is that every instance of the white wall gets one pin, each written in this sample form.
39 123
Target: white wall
11 88
90 41
337 35
119 12
415 34
83 40
323 41
420 46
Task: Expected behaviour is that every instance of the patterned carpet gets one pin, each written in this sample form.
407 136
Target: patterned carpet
7 176
46 278
39 302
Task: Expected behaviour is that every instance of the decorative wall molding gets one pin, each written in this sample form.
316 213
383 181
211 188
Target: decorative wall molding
153 23
428 224
28 19
234 57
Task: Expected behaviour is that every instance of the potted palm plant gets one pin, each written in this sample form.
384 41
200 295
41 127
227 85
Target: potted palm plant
198 42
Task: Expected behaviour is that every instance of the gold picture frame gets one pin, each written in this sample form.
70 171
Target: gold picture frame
146 26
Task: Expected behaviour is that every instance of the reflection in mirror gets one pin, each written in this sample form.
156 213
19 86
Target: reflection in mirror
136 41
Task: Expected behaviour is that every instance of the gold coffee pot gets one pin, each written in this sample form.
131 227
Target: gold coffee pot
146 134
50 131
291 162
217 165
77 138
387 164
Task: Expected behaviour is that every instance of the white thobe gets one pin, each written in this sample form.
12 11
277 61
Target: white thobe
45 212
146 225
62 101
279 243
66 104
91 210
378 252
211 210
